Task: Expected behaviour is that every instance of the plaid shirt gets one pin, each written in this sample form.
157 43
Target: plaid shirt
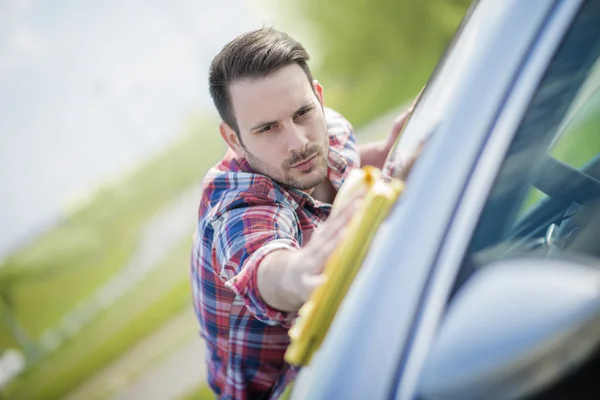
243 216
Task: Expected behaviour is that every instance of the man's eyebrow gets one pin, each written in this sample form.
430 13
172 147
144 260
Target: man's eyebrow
263 125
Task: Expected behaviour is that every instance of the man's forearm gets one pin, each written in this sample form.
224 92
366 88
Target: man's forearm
286 278
373 154
276 281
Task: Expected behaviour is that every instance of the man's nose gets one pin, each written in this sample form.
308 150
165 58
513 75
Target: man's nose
296 138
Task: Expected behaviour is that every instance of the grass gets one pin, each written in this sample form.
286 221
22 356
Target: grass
152 351
203 392
162 294
98 239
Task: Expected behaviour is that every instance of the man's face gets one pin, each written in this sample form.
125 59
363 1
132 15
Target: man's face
282 127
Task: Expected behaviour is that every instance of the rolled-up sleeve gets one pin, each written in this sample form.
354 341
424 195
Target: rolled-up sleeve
243 237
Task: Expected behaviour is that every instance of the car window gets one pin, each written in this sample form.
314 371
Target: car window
577 140
546 198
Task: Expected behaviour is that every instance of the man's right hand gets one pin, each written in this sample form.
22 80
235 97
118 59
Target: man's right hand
286 278
307 264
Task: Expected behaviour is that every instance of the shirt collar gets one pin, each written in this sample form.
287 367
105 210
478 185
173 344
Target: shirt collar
337 173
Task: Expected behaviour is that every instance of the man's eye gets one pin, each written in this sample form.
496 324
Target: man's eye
302 113
266 128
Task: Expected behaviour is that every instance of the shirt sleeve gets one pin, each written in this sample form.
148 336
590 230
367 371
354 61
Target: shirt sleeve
243 237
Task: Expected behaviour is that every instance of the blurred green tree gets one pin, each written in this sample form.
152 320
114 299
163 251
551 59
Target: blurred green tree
377 54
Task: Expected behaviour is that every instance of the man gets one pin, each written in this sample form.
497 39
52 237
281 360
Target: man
263 233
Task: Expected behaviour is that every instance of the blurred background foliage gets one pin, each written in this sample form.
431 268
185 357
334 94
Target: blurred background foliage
375 55
372 56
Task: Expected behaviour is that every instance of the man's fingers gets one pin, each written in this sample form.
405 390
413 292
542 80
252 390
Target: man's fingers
357 193
341 218
326 248
399 123
411 160
402 119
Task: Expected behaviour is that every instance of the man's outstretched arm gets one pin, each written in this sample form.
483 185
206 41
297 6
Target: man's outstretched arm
256 253
286 278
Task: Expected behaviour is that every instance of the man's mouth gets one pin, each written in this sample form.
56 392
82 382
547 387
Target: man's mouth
306 163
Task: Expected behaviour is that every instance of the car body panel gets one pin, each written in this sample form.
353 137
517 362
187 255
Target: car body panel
376 319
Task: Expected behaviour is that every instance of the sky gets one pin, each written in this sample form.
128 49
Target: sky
89 89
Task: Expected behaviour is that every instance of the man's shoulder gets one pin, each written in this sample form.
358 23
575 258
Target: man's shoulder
225 190
340 130
335 120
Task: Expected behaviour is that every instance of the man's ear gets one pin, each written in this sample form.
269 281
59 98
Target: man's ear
318 88
232 139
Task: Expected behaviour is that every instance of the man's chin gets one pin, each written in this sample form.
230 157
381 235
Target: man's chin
308 180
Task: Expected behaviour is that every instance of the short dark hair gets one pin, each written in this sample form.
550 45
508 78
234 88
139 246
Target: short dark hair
255 54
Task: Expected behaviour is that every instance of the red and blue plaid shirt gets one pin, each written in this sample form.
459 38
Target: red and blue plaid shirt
243 216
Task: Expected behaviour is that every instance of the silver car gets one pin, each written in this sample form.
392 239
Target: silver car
484 281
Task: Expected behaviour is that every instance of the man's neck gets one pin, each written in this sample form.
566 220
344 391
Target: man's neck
324 192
